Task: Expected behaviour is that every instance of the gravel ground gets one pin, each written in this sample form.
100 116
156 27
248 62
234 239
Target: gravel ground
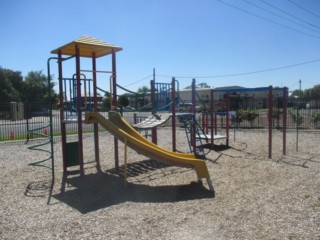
256 197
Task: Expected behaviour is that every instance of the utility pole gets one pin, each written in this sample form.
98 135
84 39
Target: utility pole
300 87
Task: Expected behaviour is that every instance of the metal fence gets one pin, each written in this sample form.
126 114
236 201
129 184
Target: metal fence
17 119
253 113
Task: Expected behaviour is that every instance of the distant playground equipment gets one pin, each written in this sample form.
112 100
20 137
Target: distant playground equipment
205 128
71 102
164 102
81 92
276 97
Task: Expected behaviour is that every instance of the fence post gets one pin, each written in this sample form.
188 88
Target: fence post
270 122
284 121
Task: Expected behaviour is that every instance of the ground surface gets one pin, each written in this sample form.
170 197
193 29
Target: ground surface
256 197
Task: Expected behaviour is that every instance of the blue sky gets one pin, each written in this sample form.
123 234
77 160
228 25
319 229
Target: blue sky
208 40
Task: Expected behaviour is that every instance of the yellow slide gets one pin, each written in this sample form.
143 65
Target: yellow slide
122 130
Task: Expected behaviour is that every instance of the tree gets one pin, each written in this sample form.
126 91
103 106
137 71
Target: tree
276 115
8 92
314 92
143 90
15 78
297 93
106 104
123 100
249 115
142 101
297 118
35 88
316 119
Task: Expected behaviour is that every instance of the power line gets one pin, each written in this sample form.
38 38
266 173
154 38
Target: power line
285 12
139 81
312 13
275 14
268 20
248 73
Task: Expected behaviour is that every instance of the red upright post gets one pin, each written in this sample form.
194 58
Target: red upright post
212 116
193 126
79 111
284 119
227 118
115 106
62 122
207 122
173 112
270 122
203 121
95 109
154 136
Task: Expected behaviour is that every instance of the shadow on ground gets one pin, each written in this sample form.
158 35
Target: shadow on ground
217 148
103 189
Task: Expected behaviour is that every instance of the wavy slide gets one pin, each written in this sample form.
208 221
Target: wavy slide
122 130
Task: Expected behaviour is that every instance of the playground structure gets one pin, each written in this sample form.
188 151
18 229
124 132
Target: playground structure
164 99
270 105
81 93
205 129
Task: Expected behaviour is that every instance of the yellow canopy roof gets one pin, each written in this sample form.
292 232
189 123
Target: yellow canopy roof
87 46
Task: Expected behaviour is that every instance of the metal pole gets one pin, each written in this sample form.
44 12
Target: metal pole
173 112
125 162
212 116
154 137
95 109
62 122
270 122
227 118
50 120
115 105
297 127
193 126
300 86
284 121
79 111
